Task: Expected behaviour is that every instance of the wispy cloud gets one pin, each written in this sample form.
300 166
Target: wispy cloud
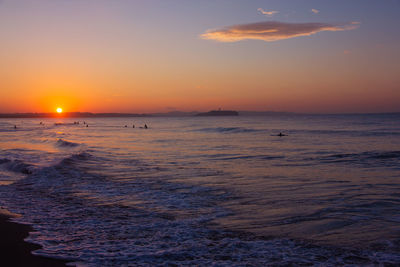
268 13
273 31
315 11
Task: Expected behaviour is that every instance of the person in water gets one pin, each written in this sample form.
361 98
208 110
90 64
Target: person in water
133 126
145 126
281 134
15 126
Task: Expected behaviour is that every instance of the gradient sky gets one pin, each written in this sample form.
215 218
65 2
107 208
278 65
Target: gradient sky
156 56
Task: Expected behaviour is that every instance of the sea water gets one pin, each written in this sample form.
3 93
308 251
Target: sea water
220 191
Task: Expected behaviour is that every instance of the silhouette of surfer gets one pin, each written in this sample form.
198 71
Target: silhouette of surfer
145 126
15 126
133 126
281 134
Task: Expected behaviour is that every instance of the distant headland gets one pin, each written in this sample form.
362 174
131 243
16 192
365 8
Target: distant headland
219 113
108 115
211 113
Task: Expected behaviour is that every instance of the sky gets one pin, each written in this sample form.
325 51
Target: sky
318 56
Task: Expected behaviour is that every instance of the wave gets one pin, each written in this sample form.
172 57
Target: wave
357 133
17 166
228 130
64 143
239 157
367 155
368 158
64 123
74 158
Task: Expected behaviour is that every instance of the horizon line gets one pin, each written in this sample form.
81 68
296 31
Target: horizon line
72 114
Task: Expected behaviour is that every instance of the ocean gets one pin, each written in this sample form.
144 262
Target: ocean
215 191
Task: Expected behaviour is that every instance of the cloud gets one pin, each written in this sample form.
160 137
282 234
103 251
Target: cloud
272 31
268 13
315 11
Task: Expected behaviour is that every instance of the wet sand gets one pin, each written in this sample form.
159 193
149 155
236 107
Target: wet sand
15 251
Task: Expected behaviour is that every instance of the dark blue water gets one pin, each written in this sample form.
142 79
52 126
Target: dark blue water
207 191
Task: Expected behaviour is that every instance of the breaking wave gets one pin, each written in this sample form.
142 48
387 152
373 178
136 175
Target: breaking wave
64 143
17 166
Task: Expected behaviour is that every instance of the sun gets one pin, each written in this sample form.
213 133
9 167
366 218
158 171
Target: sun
59 110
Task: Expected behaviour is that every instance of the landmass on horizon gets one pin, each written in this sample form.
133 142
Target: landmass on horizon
219 112
172 114
105 115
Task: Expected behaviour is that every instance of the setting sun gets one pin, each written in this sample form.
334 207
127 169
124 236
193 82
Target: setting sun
200 133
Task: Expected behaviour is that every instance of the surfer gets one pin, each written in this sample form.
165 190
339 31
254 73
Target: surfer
133 126
281 134
145 126
15 126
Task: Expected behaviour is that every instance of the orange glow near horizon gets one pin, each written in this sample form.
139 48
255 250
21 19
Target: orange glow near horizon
108 60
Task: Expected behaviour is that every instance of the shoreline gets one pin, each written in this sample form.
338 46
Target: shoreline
17 252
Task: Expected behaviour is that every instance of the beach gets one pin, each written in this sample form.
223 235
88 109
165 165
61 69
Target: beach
17 252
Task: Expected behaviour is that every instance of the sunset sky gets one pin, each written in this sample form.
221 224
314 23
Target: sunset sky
157 56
